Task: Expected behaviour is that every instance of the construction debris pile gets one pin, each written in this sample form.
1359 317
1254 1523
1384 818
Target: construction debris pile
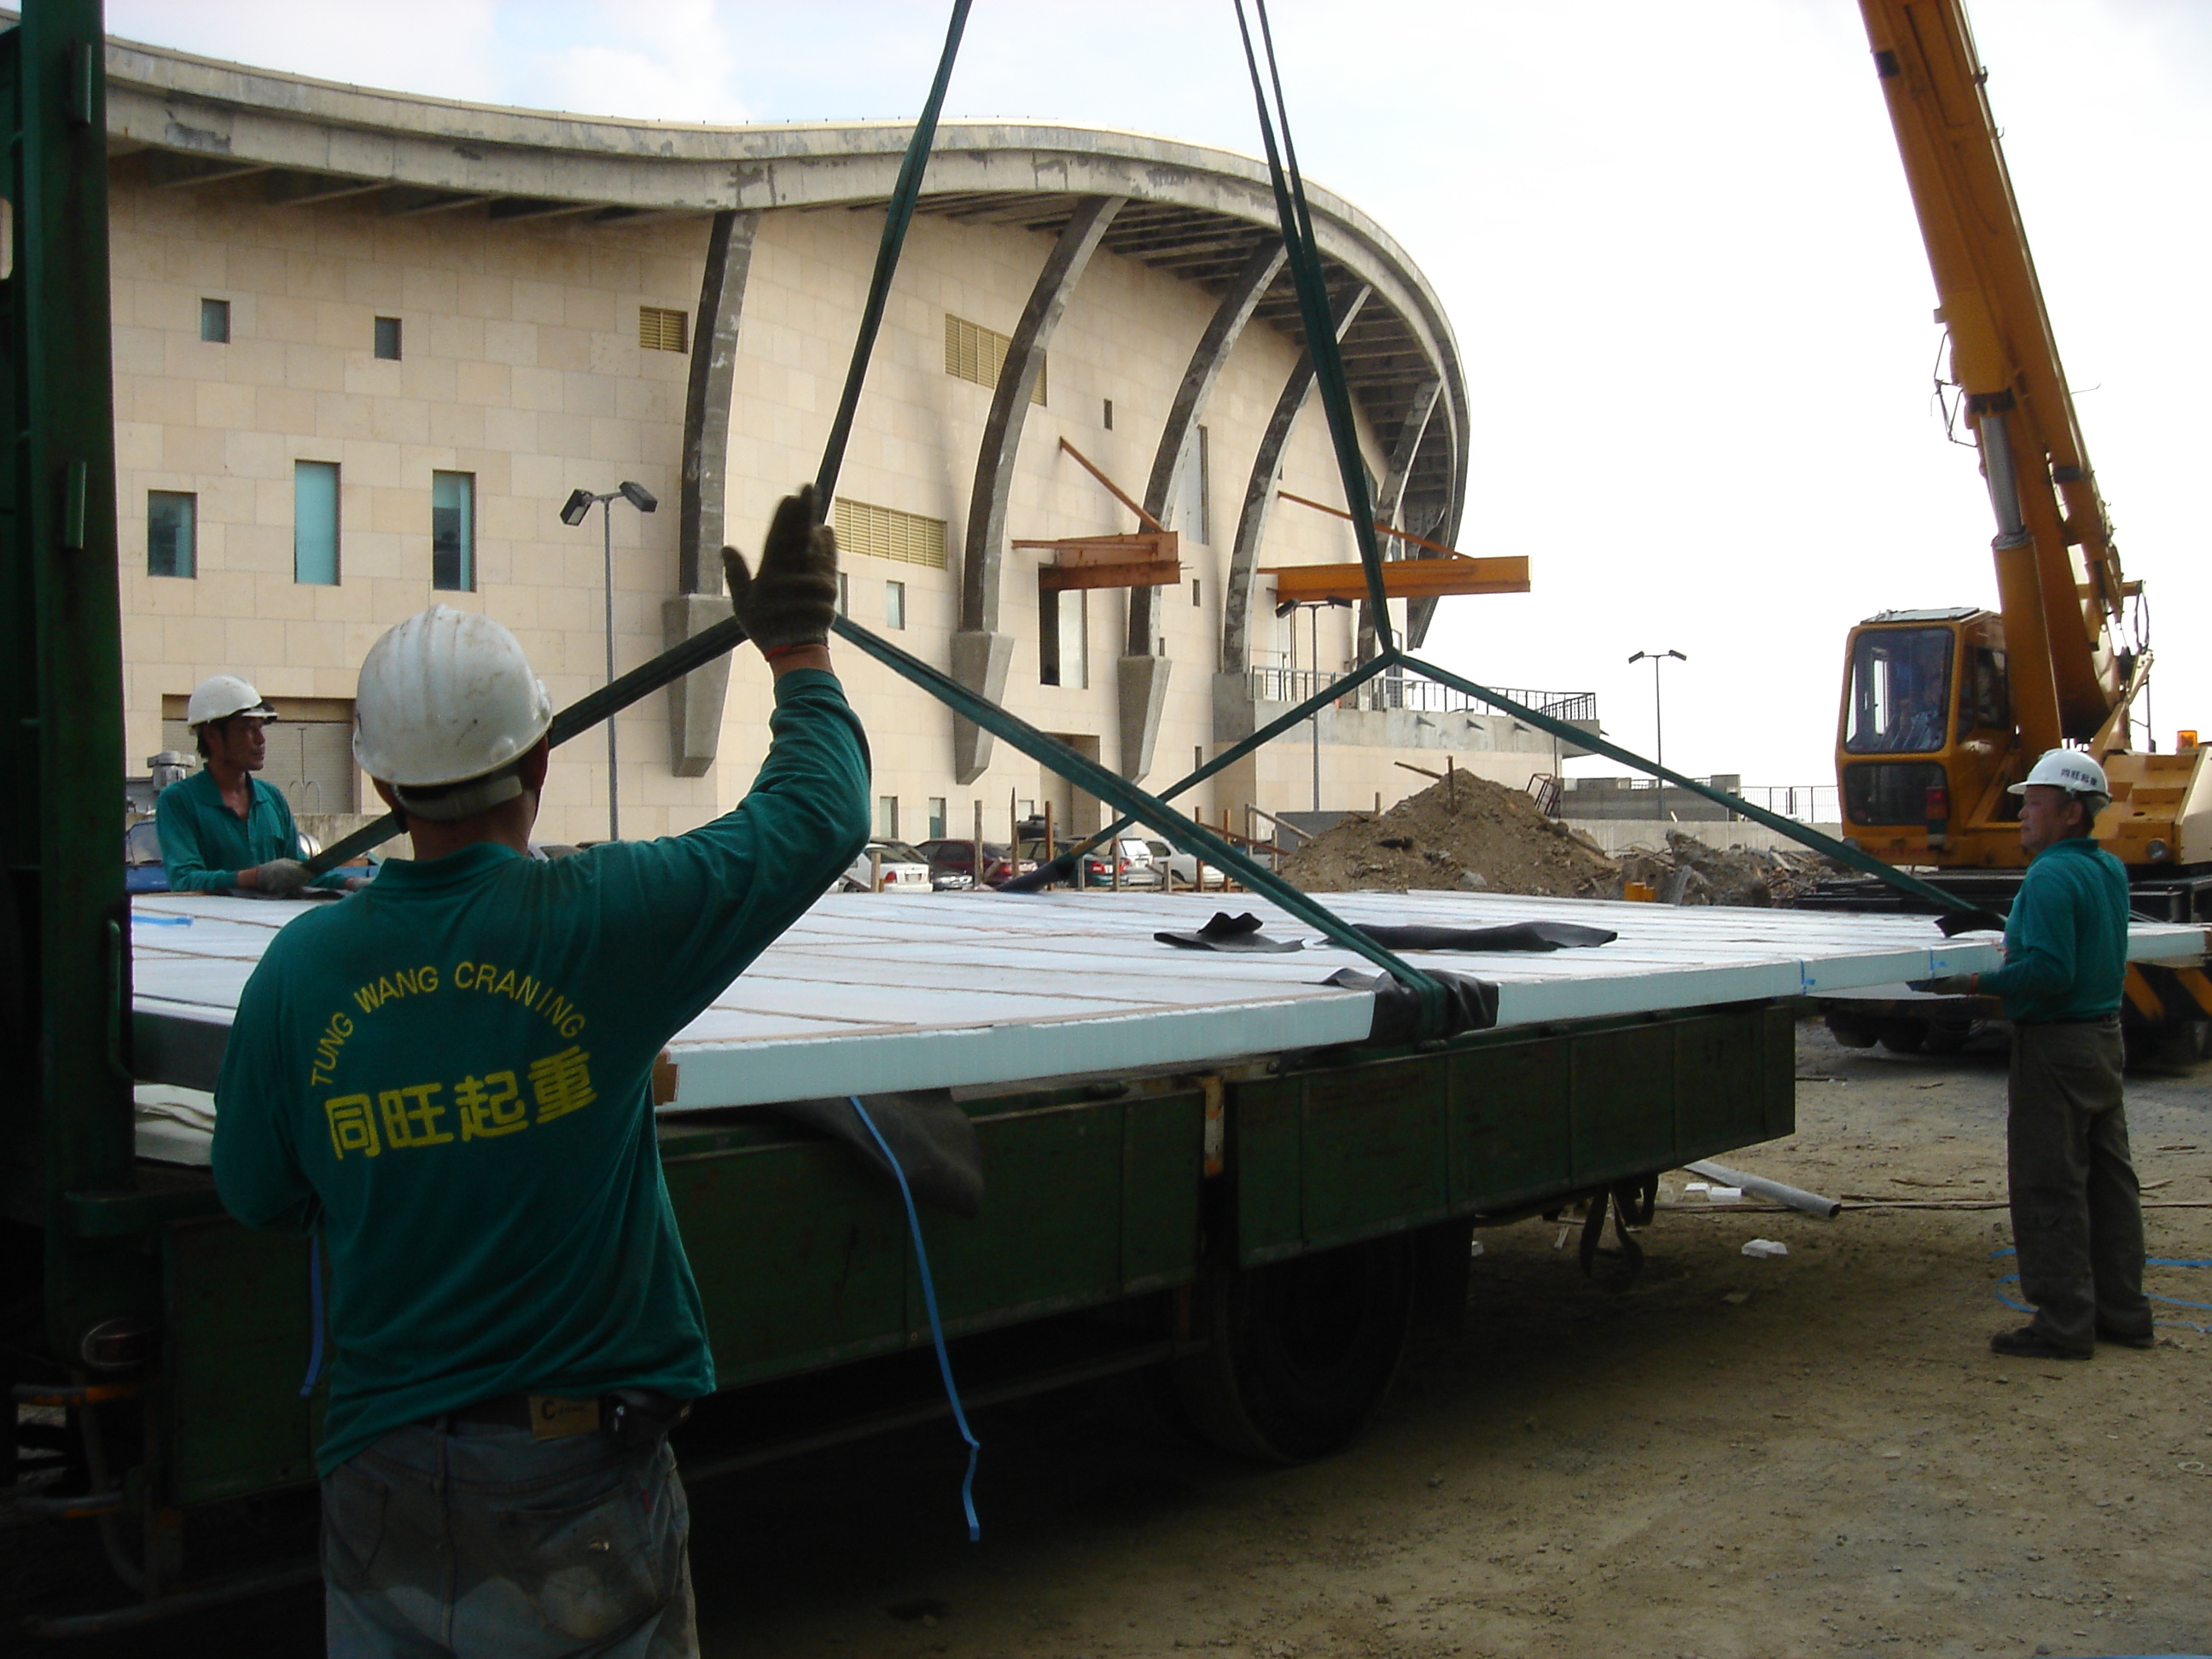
1691 872
1467 832
1462 832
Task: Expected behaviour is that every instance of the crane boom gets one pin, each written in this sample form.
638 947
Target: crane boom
2060 585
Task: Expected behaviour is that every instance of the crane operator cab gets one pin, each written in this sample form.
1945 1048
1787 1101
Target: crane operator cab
1926 738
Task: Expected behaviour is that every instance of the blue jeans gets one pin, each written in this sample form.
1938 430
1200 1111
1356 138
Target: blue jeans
448 1543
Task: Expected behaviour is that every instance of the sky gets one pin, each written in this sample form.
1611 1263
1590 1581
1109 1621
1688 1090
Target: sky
1673 241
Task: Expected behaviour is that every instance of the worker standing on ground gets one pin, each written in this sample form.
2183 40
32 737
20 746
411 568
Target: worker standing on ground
222 829
446 1080
2077 1209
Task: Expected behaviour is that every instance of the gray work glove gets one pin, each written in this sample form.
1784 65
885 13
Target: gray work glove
1951 985
280 877
793 599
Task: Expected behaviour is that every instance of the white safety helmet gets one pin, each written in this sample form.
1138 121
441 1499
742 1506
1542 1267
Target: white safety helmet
2068 770
220 697
447 697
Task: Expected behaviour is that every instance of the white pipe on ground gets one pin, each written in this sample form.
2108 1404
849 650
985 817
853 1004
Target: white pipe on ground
1795 1197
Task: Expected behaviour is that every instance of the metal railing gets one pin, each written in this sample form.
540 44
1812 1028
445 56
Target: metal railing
1394 689
1807 803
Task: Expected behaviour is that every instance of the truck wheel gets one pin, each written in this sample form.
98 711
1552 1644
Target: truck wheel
1904 1037
1851 1033
1303 1351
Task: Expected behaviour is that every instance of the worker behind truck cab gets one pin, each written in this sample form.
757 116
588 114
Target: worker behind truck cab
222 829
446 1080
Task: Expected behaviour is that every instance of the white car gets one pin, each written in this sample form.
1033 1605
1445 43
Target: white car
905 870
1181 867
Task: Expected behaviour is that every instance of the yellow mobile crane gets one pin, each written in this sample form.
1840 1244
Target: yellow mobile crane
1942 709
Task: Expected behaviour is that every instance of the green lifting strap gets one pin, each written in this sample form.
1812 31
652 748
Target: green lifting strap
1114 788
1334 691
1962 914
711 643
1311 282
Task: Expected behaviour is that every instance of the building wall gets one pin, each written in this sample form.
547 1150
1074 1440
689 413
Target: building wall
521 364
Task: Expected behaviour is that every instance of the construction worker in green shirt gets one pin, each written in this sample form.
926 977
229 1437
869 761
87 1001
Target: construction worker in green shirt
222 829
446 1080
2076 1206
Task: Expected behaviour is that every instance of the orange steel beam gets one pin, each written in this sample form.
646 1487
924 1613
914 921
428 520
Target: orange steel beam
1115 489
1061 578
1381 528
1136 548
1403 579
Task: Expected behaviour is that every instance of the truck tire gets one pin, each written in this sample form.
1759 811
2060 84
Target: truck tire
1851 1033
1302 1351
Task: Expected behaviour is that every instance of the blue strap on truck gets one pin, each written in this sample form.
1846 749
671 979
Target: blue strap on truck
936 1324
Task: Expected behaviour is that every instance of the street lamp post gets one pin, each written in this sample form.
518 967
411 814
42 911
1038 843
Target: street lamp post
574 512
1658 720
1315 606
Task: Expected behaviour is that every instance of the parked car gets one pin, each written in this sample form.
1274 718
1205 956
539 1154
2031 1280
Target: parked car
905 870
1182 868
142 870
956 859
1096 871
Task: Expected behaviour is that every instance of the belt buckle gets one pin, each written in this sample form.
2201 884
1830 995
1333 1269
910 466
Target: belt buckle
552 1417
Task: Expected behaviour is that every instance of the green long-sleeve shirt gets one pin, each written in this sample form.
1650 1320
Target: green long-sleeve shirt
204 844
448 1075
2066 940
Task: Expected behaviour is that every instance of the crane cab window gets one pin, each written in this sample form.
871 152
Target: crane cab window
1991 707
1900 697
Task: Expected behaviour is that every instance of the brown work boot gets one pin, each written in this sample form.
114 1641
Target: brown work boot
2028 1343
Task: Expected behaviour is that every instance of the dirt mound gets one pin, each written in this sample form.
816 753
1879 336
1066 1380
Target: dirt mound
1691 872
1461 832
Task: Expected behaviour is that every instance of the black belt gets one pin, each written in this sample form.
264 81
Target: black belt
2074 1019
628 1417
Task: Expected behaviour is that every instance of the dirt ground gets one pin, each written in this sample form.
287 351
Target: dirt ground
1809 1455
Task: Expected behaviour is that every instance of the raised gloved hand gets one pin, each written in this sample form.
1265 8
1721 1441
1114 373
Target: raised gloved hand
280 877
793 599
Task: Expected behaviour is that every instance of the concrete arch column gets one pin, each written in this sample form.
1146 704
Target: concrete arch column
981 653
1390 499
1259 496
1141 676
696 702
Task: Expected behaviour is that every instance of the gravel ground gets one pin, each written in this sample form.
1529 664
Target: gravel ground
1809 1455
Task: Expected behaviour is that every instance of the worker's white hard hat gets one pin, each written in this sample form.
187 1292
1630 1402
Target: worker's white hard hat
447 696
220 697
2068 770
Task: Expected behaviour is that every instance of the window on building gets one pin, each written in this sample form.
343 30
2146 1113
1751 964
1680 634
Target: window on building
1197 593
454 532
660 329
1110 413
172 533
884 532
844 594
1192 507
387 338
315 523
937 817
895 605
215 321
887 818
1197 755
973 352
1063 637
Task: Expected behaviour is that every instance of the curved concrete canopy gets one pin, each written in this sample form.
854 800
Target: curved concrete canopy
1191 209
